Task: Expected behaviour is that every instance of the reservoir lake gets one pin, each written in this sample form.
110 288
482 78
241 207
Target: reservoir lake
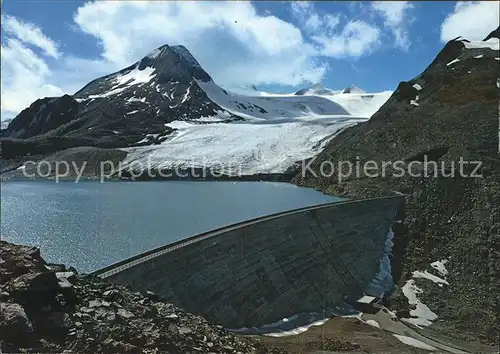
90 225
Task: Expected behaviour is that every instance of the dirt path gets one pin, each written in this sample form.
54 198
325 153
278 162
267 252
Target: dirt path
368 333
341 335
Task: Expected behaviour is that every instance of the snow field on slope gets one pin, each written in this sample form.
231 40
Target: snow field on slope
361 105
270 107
123 81
290 106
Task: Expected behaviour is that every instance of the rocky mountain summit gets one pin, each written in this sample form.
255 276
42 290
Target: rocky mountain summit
353 89
320 89
119 109
446 114
50 308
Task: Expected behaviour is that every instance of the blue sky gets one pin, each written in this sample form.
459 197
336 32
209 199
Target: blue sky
55 47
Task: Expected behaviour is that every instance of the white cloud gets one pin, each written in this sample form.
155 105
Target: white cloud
356 39
24 78
473 20
395 14
311 20
27 74
232 42
29 34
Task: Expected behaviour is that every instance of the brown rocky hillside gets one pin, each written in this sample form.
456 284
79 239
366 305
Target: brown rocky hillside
449 112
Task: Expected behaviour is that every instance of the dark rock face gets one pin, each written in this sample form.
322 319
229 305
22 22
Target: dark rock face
405 92
116 110
493 34
57 310
451 51
42 116
450 217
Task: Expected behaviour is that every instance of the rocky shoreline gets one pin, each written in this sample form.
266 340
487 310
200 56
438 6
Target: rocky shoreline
52 308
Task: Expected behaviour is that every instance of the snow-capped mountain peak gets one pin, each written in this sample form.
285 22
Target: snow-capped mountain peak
317 89
163 66
353 89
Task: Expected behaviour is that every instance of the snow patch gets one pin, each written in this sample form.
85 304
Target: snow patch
492 43
297 330
414 102
135 76
186 95
109 93
498 82
479 56
422 315
414 342
135 99
123 81
372 323
453 62
359 316
439 266
417 87
429 276
132 112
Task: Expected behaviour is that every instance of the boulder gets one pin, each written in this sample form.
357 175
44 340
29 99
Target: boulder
16 327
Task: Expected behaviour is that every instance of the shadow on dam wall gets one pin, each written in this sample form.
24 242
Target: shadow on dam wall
259 271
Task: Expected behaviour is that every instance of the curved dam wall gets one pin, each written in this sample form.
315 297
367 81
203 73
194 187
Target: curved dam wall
262 270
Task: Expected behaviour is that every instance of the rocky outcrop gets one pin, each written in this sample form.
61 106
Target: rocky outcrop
493 34
50 308
42 116
448 113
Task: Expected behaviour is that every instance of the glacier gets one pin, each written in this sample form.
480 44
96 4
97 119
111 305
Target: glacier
274 133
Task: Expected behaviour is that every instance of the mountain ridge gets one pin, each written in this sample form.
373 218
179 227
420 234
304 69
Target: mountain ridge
447 114
136 106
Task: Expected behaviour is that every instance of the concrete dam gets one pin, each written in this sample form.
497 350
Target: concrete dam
263 270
